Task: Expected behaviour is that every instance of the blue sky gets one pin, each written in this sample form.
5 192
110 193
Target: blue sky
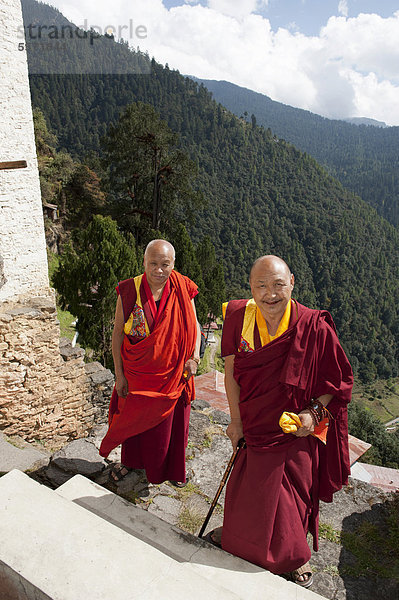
336 58
308 16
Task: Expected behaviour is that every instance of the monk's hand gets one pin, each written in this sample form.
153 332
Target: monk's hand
234 432
190 369
121 386
308 423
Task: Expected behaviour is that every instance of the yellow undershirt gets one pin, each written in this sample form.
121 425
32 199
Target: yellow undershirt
253 315
265 337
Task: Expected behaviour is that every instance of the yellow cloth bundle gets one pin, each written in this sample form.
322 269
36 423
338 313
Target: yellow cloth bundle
289 423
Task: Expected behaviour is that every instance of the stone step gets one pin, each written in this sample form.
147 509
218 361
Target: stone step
18 454
241 578
52 548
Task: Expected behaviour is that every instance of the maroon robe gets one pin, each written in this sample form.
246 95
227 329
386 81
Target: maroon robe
272 497
161 449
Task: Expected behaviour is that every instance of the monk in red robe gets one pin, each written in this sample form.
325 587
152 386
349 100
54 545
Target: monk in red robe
155 346
282 357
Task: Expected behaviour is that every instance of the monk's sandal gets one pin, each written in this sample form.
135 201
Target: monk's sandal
306 569
118 473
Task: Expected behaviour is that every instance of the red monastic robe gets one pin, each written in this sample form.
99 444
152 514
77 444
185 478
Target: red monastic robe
151 423
272 497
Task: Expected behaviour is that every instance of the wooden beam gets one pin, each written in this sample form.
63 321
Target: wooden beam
14 164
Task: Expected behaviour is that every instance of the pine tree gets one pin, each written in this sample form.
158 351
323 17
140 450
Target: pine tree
212 274
187 264
84 196
89 269
149 176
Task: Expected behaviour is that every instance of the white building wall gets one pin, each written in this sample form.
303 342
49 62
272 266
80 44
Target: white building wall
22 239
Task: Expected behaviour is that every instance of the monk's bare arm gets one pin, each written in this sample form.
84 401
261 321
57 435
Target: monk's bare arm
191 365
307 419
117 339
234 429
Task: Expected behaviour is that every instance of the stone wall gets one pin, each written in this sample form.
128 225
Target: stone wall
44 394
101 385
22 239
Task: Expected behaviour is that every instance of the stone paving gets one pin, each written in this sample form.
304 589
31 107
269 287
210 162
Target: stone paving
208 453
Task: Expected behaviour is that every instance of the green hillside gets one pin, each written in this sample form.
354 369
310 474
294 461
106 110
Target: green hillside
263 195
365 159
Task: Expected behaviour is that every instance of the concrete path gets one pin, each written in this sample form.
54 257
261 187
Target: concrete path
241 578
55 545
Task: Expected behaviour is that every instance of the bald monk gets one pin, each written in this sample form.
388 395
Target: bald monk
281 356
155 345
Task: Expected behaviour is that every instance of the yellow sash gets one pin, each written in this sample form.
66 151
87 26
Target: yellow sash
129 325
253 315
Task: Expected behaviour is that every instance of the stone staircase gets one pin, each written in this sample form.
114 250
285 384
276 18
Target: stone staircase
82 542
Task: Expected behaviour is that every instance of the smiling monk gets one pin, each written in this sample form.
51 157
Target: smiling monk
155 346
282 357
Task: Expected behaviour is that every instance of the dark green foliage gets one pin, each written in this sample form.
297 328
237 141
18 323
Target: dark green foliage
365 159
149 177
89 269
187 264
83 197
213 277
55 45
263 196
365 426
55 168
201 266
374 545
46 142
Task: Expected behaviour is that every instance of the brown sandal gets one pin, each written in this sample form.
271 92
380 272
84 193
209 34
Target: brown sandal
209 538
306 569
118 473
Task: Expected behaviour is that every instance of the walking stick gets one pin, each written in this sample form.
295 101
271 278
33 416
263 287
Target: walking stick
241 444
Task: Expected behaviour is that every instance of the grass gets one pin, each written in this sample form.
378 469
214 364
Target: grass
380 397
205 364
327 532
187 491
53 260
375 547
189 520
219 361
17 443
331 570
65 318
376 551
207 441
131 496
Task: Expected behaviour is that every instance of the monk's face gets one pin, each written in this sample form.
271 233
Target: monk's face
271 285
158 264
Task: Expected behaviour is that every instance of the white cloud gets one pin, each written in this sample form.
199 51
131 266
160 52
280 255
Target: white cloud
343 8
349 69
292 26
237 8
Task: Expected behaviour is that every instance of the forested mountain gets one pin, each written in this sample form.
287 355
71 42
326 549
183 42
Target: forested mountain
263 195
365 159
365 121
